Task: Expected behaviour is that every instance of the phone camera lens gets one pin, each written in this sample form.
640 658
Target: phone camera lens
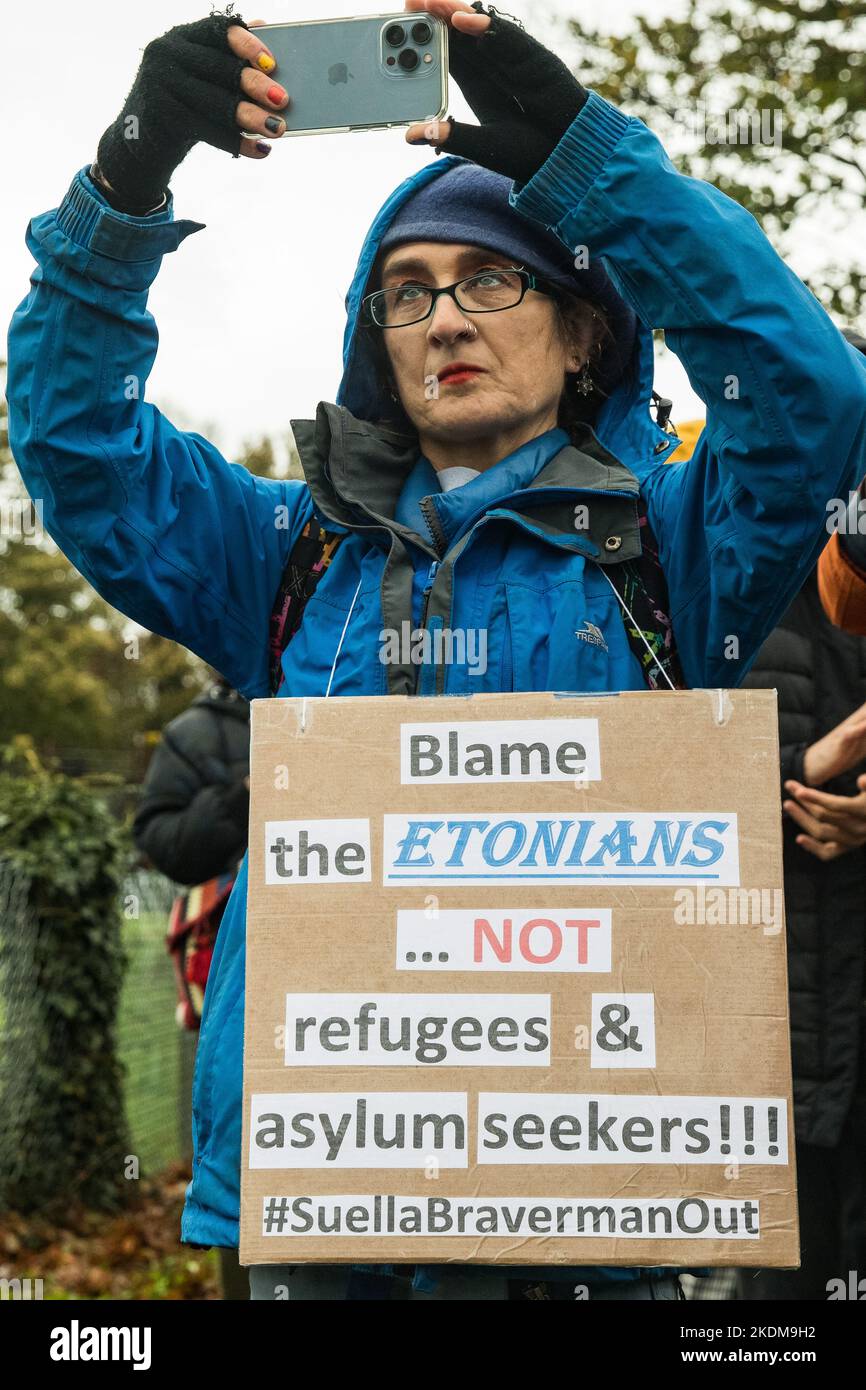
395 34
408 59
422 33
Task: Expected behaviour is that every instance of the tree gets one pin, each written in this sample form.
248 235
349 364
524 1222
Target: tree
79 681
766 99
77 677
259 457
64 1135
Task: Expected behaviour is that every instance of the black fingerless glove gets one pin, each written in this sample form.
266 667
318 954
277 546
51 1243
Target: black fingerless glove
187 89
523 95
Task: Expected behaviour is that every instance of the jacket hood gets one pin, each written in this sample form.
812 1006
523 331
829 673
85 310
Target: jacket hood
624 425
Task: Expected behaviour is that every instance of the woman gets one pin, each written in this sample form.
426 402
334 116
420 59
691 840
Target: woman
486 503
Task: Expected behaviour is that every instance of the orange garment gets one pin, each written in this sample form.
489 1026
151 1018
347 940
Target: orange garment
842 587
689 433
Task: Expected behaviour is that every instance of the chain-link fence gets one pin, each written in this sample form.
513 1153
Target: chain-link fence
19 1013
156 1054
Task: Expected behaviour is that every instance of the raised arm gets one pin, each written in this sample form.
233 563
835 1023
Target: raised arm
743 521
163 527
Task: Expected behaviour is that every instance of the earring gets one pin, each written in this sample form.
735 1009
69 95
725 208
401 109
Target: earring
583 383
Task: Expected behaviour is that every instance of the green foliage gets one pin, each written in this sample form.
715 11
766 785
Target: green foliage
87 687
259 457
63 1136
77 677
805 61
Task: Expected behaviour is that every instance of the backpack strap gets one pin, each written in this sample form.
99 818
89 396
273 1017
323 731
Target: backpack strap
642 589
311 555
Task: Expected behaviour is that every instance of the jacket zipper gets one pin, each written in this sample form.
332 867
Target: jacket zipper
434 526
431 576
440 545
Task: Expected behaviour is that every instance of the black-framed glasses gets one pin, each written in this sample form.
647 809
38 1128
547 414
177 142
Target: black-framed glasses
485 292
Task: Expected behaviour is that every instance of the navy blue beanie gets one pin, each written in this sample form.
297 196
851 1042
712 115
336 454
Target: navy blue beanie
469 204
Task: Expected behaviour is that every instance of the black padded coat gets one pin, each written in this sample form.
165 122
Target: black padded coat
820 675
191 820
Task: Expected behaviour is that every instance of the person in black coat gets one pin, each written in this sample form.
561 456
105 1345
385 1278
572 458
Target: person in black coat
820 675
191 820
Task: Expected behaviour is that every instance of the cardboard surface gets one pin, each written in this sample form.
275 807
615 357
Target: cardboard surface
516 984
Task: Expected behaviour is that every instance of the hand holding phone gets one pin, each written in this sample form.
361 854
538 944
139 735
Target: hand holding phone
205 81
524 96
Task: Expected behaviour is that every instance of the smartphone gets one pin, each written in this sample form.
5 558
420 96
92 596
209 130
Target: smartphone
366 73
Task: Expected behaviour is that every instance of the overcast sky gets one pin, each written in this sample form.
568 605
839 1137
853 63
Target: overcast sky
250 311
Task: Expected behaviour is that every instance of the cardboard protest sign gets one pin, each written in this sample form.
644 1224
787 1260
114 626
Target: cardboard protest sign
516 984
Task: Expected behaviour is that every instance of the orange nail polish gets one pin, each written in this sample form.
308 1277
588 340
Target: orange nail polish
276 94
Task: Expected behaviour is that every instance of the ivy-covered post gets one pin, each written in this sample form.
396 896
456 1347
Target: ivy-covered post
63 1136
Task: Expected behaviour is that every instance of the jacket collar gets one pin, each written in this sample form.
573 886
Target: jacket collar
454 509
363 476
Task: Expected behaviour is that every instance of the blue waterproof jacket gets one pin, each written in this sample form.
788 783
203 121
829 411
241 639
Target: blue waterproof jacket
193 547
